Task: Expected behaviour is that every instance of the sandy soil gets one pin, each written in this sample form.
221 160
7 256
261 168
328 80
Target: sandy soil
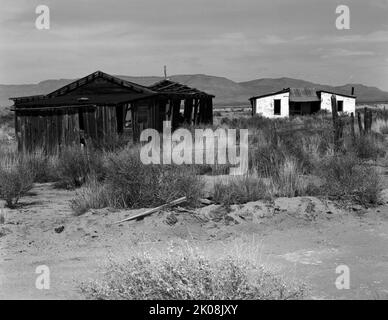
301 238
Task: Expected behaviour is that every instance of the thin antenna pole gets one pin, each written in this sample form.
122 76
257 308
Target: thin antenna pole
165 72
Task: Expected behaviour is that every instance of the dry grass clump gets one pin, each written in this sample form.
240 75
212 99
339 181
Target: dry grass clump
93 195
75 165
134 185
238 190
189 275
288 182
369 147
285 180
346 178
15 179
380 125
44 167
128 183
384 129
2 217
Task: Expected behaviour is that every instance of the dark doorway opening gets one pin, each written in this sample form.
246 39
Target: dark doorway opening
277 107
81 120
303 108
340 106
120 119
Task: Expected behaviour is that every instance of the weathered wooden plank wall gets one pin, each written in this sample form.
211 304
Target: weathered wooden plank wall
49 130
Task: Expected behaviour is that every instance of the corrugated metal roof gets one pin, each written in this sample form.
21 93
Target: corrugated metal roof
303 95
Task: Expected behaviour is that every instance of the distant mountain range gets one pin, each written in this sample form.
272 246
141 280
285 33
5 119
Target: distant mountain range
227 92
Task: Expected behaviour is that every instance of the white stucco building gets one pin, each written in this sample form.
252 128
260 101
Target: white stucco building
299 101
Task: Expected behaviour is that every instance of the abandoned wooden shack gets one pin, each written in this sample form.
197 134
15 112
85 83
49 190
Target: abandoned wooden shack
100 107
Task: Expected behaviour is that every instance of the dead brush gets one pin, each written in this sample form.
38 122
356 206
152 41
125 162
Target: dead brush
346 178
288 183
93 195
128 183
189 273
15 179
238 190
2 216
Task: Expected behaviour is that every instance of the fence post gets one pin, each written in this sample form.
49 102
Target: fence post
352 128
370 121
366 120
360 123
337 124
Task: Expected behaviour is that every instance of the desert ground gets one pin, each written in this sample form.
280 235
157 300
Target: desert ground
301 238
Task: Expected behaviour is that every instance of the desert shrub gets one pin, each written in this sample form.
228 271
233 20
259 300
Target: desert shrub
266 160
288 182
15 181
92 195
345 178
189 276
384 129
368 147
128 183
2 217
113 143
240 190
212 169
42 166
7 117
75 165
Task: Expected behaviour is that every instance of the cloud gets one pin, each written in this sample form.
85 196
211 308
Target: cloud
338 52
238 39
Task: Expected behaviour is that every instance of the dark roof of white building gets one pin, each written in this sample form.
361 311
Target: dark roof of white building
302 94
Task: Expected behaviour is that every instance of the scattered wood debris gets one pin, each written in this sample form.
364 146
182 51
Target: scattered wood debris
151 211
206 202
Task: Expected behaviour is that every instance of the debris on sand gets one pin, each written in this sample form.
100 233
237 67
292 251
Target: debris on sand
4 231
171 219
306 208
151 211
59 229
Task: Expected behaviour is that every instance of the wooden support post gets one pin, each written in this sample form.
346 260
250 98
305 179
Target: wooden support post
202 110
176 105
366 121
352 131
360 129
210 110
370 118
195 117
188 110
337 124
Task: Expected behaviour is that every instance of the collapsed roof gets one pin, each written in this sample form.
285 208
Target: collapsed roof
109 90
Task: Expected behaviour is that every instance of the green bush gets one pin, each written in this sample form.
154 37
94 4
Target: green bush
189 276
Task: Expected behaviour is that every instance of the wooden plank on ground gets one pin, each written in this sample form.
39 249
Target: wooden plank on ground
153 210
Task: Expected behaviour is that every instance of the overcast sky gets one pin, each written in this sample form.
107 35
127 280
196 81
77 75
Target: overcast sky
238 39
